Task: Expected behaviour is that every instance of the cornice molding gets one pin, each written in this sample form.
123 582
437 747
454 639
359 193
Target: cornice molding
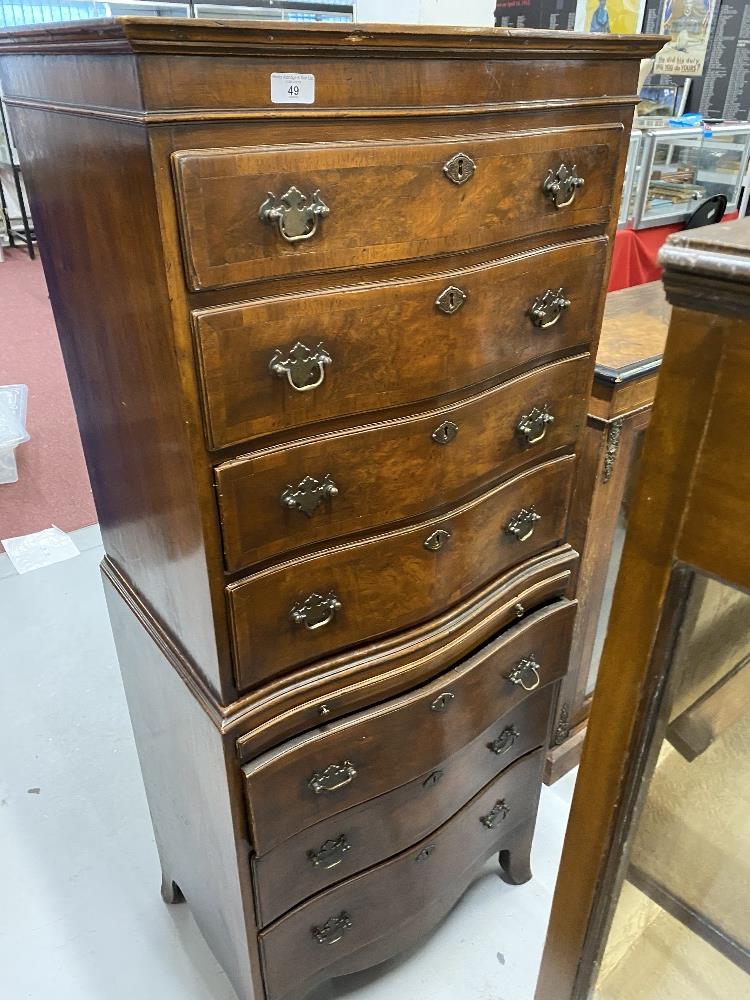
205 37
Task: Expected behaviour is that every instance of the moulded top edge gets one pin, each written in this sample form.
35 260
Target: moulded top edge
203 36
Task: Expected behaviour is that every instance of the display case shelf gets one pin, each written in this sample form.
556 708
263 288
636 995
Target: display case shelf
679 168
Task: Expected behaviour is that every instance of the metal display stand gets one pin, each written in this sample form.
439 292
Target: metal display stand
24 233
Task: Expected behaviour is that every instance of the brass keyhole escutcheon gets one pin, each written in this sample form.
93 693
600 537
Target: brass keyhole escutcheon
445 433
441 703
460 168
437 539
451 299
425 853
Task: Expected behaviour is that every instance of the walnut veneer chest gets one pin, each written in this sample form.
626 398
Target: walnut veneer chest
331 363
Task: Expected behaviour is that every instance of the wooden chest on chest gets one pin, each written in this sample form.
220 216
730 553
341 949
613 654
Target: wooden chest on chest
328 299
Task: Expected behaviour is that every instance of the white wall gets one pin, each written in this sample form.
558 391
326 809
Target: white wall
472 13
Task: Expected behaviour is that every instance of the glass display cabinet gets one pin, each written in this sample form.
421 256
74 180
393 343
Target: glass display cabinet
682 167
653 893
630 184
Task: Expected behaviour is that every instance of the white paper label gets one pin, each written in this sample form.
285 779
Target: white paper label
292 88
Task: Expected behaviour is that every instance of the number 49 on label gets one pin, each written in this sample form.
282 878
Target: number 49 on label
292 88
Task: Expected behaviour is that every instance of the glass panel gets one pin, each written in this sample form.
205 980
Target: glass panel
16 15
673 187
632 169
681 927
637 178
721 162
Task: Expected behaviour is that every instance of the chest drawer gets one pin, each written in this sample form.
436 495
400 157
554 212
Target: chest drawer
350 481
255 212
322 774
297 612
371 916
292 360
364 835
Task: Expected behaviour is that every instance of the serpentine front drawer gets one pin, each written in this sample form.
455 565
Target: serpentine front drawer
301 610
298 495
360 837
372 916
254 212
318 775
288 361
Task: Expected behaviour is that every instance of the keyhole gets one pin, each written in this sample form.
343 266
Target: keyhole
460 167
452 301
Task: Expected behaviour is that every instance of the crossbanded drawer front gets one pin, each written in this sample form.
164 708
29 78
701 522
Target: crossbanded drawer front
255 212
327 935
332 769
358 838
293 360
300 611
387 668
326 487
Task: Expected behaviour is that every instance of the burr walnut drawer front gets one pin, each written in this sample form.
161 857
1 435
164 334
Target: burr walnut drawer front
298 495
304 358
255 212
325 772
360 837
299 611
372 916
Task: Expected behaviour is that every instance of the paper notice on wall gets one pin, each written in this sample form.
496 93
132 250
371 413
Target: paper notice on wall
688 24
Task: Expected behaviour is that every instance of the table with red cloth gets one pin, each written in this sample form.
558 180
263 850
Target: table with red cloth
635 252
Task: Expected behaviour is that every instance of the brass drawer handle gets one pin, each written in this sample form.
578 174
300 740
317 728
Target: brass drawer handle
561 185
451 299
330 853
437 539
333 929
441 703
460 168
295 214
547 309
333 777
526 673
496 814
521 525
533 425
445 432
315 611
309 494
303 369
505 741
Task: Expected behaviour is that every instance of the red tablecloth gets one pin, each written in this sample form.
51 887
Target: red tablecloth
635 252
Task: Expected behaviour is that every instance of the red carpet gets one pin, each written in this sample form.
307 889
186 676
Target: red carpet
53 485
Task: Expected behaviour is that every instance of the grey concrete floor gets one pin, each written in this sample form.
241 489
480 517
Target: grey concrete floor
80 913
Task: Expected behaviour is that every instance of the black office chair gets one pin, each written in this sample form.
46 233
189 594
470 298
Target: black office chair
712 210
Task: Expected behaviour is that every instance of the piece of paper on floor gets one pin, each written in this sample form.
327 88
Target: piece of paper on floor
42 548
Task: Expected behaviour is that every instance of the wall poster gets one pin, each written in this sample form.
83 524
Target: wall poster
688 23
610 17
